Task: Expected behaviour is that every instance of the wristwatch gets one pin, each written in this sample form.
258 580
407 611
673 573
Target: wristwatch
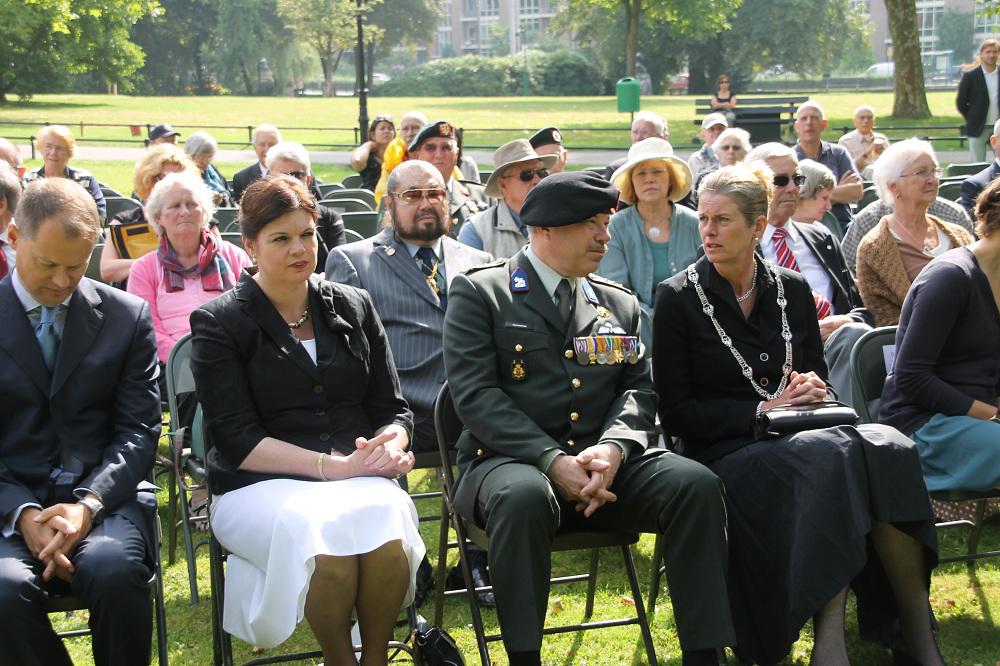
96 509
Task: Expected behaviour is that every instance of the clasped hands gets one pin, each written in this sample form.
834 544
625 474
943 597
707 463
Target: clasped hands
803 388
384 454
585 478
52 535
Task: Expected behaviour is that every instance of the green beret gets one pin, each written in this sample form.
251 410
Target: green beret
568 198
431 130
545 137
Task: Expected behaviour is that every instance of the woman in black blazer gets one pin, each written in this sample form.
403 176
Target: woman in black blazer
806 509
308 430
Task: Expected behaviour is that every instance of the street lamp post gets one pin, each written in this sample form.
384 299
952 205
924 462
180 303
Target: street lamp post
360 78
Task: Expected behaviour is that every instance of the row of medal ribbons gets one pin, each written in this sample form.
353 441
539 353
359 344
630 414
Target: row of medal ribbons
606 349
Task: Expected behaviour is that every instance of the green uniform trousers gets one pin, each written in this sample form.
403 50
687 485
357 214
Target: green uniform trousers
658 492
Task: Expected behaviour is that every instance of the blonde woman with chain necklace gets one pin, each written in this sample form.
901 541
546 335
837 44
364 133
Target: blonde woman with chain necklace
734 335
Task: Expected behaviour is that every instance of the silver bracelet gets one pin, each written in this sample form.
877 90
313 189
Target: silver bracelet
319 467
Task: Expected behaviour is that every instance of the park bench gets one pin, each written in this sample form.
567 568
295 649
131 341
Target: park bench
763 117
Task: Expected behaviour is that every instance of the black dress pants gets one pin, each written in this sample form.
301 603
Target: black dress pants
112 579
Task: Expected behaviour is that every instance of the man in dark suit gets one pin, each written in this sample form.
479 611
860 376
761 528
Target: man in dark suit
79 422
264 137
814 251
552 384
977 99
410 293
974 184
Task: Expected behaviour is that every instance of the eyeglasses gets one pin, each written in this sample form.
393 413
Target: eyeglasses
723 80
925 174
433 195
529 175
298 175
781 179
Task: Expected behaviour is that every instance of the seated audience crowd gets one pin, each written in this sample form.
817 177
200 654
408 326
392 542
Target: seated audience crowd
565 311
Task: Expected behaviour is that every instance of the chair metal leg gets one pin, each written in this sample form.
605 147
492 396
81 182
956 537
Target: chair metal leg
656 573
633 581
477 618
172 516
183 501
160 607
974 533
442 564
595 555
222 648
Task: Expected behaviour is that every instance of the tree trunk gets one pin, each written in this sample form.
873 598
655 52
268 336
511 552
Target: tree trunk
324 60
632 8
247 81
910 98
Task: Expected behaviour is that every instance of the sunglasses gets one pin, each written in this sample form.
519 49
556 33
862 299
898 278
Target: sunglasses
529 175
782 179
434 195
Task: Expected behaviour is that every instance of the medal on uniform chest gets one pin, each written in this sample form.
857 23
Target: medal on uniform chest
619 353
602 350
602 312
518 369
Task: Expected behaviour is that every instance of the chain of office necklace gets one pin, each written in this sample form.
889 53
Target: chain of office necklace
786 333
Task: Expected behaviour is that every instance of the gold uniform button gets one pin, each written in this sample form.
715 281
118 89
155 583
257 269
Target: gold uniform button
568 353
518 348
479 452
574 416
576 382
570 443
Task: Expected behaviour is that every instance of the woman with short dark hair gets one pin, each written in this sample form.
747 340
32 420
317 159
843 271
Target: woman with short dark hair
367 158
308 432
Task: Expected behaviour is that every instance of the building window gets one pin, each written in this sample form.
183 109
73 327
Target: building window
470 8
489 7
527 7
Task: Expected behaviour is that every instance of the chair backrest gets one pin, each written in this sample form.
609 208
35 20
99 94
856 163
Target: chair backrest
347 205
868 371
234 237
352 193
831 222
966 169
352 236
198 435
950 190
225 217
484 176
117 205
94 266
109 191
448 426
869 195
354 180
325 188
365 223
180 379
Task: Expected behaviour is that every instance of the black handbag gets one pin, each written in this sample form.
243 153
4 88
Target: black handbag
788 419
435 646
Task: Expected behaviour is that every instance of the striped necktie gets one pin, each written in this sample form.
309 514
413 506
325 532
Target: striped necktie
4 267
430 266
783 253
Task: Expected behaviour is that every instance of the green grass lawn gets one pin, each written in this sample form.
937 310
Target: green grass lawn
513 116
966 605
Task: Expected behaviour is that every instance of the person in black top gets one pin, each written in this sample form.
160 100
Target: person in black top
308 430
810 513
944 388
367 158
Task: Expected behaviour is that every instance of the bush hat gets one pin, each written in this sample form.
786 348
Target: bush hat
511 154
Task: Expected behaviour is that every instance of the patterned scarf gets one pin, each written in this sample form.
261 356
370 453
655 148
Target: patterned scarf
216 275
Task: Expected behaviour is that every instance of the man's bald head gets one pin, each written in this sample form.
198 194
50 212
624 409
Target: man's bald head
412 170
10 154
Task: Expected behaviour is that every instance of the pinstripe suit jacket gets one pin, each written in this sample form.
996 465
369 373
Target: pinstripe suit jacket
409 310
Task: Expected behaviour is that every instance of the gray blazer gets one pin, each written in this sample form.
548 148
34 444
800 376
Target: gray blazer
409 310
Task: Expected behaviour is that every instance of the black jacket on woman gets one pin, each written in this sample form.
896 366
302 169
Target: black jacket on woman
704 398
256 380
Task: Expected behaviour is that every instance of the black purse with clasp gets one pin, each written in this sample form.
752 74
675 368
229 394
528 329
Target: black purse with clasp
788 419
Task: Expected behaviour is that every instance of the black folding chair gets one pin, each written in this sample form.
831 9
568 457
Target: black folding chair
868 373
449 427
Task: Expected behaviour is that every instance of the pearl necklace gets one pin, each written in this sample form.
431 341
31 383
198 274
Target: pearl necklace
300 321
786 334
753 285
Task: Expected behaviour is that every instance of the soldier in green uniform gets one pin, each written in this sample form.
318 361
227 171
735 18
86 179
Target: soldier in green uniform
549 377
437 143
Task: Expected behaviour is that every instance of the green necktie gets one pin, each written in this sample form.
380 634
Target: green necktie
48 339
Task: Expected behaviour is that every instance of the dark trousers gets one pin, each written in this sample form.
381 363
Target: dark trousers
112 579
658 493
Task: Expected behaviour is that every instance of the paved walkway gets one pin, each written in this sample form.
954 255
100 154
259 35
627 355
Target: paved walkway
483 158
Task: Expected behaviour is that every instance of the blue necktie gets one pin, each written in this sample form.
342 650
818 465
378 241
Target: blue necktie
48 339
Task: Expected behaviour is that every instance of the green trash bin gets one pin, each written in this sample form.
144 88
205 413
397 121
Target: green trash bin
627 90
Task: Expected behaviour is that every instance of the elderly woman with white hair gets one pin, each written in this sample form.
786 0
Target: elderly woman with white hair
892 254
730 147
57 146
191 266
656 237
289 158
201 148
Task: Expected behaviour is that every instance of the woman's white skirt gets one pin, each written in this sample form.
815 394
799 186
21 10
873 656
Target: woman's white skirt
275 529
